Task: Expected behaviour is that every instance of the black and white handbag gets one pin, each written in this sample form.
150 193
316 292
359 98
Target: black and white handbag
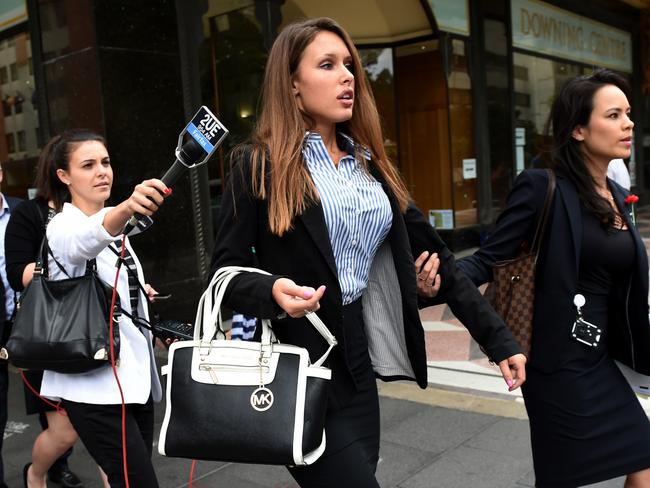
252 402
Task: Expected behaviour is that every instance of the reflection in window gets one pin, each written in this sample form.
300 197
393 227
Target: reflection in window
498 106
232 67
461 121
378 64
534 96
11 147
22 140
18 135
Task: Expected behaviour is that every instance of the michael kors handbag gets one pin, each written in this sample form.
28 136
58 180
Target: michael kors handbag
512 291
251 402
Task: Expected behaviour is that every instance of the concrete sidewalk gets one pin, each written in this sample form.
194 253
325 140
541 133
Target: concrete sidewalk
430 438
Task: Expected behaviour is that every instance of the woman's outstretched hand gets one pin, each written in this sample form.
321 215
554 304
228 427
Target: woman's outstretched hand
296 300
513 370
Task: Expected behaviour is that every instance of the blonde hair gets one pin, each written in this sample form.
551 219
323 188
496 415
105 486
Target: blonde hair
278 136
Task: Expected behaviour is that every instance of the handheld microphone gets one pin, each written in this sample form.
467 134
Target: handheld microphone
196 143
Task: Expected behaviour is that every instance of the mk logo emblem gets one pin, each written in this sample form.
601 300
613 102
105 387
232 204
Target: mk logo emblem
262 399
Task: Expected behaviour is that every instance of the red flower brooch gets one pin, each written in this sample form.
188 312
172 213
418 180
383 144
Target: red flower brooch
630 200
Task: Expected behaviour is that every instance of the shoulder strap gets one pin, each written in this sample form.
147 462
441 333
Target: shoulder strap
546 210
42 261
120 261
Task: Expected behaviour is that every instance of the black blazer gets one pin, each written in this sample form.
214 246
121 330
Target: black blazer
557 272
304 254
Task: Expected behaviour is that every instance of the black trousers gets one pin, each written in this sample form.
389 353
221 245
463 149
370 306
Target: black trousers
100 429
352 431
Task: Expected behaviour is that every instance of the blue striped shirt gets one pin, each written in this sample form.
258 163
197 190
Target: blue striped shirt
357 211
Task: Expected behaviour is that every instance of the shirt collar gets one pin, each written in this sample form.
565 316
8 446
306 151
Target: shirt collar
5 205
345 142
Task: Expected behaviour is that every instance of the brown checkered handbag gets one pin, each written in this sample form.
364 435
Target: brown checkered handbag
512 291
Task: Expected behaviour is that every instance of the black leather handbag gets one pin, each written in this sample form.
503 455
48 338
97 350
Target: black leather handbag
62 325
251 402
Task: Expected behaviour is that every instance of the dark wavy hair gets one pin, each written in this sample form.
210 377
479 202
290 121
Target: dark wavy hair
56 155
572 107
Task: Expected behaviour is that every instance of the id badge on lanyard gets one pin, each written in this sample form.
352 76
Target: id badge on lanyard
583 331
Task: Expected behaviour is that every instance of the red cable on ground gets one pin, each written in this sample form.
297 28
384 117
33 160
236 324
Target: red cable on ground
117 379
191 482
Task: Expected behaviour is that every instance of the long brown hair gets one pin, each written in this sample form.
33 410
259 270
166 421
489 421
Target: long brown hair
278 136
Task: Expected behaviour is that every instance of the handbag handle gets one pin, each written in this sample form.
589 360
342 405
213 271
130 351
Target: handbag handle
546 210
209 318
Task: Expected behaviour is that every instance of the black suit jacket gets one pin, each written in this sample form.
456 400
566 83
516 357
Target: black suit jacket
12 202
305 255
557 272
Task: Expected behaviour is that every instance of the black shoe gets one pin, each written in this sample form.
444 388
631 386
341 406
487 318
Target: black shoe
25 469
64 477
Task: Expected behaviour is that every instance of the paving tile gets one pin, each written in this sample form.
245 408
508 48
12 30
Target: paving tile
432 313
269 476
398 463
394 412
448 345
508 437
468 467
437 429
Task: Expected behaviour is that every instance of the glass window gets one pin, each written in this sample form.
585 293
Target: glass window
18 150
22 140
11 147
232 67
378 64
498 108
4 75
424 152
461 125
534 96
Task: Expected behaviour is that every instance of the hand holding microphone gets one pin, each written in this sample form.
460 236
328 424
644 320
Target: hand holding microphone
196 143
147 197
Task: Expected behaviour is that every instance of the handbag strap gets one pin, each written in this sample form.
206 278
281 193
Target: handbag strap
209 318
546 210
41 265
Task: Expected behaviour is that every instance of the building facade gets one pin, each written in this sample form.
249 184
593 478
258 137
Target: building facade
463 88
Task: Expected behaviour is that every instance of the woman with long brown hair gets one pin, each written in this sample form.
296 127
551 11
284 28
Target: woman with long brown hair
329 217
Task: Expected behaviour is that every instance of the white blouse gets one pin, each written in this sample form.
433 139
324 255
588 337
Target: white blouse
75 238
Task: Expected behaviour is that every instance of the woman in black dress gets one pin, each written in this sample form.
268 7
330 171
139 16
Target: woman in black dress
586 423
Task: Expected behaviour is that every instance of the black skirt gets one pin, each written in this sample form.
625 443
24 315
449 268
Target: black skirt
586 425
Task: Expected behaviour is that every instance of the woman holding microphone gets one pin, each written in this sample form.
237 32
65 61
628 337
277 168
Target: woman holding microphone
80 174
